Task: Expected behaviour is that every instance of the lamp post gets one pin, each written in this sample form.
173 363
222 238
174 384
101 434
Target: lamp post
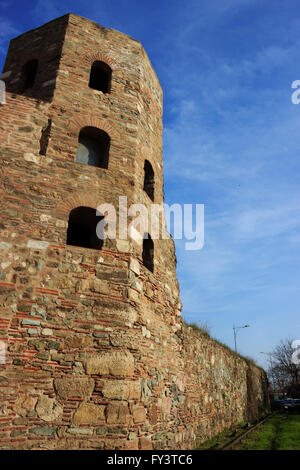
235 330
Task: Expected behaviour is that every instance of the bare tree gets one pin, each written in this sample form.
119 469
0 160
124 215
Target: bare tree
283 373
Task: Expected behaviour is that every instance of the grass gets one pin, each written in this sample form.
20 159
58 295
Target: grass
261 438
217 442
280 432
288 437
202 328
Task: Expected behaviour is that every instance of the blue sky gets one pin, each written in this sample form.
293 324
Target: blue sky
231 142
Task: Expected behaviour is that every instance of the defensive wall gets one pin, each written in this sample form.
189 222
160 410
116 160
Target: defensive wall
97 355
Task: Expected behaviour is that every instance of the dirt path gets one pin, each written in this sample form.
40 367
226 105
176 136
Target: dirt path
277 425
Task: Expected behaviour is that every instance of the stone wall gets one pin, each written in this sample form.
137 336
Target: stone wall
97 354
97 358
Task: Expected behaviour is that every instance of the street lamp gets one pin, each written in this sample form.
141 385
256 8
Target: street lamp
235 330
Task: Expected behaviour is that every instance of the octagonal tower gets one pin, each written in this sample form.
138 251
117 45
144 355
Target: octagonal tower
90 361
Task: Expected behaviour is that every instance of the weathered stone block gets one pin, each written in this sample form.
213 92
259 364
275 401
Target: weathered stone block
89 413
165 404
100 286
126 316
47 332
64 282
83 431
71 387
134 265
124 339
24 404
28 321
118 363
38 244
43 430
5 246
133 295
122 390
139 414
48 409
123 246
145 443
153 414
131 444
101 431
17 433
83 285
77 341
118 414
145 332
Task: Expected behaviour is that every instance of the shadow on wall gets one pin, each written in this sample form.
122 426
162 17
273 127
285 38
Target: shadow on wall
255 407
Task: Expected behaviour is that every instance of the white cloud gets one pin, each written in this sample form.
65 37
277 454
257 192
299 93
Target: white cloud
7 31
269 222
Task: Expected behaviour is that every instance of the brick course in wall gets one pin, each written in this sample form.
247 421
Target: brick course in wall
97 353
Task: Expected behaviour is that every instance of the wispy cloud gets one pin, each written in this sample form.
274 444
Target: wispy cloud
7 31
231 142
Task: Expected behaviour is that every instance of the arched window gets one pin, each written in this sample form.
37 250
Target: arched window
149 179
82 228
29 71
148 252
100 76
93 147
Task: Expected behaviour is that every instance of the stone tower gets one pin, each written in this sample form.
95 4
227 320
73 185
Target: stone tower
93 350
81 322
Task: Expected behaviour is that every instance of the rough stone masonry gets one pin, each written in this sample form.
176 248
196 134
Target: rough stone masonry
97 355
